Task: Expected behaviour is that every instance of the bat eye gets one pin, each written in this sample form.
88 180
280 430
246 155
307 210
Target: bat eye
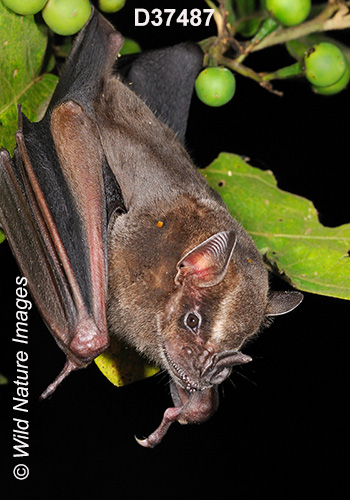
192 321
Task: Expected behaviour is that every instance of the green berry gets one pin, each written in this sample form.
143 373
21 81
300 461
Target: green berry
337 86
289 12
66 17
111 5
130 47
25 7
324 64
215 86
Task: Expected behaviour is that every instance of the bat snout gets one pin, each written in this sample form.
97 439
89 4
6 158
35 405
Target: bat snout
220 365
195 369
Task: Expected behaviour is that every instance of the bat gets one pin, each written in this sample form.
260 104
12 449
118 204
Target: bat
118 233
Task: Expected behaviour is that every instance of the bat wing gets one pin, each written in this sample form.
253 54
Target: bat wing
67 282
53 204
164 79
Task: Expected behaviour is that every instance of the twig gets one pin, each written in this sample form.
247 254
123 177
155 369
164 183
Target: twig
248 72
323 22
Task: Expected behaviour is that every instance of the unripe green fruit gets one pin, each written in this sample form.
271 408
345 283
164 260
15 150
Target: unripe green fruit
324 64
25 7
215 86
111 5
289 12
130 47
66 17
337 86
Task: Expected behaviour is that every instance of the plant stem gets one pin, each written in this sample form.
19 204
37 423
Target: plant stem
323 22
268 27
261 78
293 70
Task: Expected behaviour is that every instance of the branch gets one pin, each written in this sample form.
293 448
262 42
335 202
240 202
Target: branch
323 22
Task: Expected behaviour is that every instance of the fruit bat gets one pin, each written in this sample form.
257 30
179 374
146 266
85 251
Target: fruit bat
119 234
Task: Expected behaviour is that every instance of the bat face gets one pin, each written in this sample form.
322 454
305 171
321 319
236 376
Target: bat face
201 332
212 319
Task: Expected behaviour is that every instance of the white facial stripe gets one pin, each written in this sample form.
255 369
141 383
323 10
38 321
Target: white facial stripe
220 327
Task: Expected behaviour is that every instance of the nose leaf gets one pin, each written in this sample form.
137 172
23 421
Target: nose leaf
220 365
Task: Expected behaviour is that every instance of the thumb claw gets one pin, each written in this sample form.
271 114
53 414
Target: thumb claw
69 366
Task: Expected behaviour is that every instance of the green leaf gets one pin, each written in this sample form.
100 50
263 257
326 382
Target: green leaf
3 380
23 45
121 364
285 227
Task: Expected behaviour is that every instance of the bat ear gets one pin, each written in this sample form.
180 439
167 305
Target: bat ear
207 263
283 302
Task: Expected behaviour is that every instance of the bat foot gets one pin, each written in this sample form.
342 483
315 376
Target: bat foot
170 416
67 369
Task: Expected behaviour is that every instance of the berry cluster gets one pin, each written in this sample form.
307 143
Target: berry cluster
64 17
324 64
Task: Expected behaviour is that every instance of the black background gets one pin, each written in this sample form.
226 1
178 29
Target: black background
280 431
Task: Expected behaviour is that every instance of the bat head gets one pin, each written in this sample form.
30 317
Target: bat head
220 300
